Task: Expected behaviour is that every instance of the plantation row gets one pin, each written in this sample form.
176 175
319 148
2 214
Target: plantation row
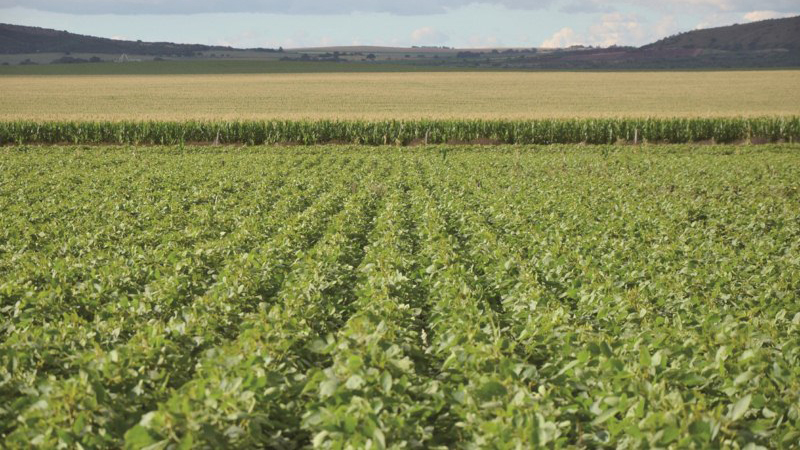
379 298
542 131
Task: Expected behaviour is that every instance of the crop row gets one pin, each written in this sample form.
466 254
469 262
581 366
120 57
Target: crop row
381 298
541 131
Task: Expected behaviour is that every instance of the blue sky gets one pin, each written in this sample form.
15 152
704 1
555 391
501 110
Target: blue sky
455 23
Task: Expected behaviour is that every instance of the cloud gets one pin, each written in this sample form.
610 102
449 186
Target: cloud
562 38
302 7
428 36
587 7
713 6
618 29
754 16
614 29
717 20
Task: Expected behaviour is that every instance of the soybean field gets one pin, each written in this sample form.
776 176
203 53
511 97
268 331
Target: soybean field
380 297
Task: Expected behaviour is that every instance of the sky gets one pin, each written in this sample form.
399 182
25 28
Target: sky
452 23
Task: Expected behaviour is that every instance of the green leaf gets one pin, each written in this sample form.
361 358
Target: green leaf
138 437
328 387
644 357
739 408
386 382
671 433
605 415
379 438
491 389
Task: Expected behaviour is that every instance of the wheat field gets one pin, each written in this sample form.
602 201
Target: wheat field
498 95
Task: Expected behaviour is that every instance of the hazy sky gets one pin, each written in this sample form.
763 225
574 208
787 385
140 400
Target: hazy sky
456 23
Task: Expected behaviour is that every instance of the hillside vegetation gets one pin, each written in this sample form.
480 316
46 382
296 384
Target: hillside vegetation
775 34
22 39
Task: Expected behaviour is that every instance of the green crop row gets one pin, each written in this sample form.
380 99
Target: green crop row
512 297
394 132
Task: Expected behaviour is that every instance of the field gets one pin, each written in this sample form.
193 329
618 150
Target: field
756 130
486 297
378 96
208 67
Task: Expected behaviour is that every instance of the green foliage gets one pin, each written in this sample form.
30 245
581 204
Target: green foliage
349 297
398 132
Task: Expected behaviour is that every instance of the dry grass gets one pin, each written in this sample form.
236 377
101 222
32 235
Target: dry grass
402 95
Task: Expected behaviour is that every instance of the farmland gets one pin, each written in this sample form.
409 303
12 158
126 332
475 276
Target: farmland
739 130
395 96
488 297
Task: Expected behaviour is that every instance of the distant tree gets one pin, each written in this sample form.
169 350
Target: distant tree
371 57
68 60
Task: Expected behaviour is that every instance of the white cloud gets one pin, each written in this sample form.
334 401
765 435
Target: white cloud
665 27
754 16
614 29
618 29
562 38
428 36
484 42
315 7
716 20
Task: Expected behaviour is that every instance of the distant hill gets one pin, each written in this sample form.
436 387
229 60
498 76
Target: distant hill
17 39
774 34
771 43
765 44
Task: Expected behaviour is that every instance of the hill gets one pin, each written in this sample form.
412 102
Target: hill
774 34
17 39
765 44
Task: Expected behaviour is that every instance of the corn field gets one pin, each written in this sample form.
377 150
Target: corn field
400 132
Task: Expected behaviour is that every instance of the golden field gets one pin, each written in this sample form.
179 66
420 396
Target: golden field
490 95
